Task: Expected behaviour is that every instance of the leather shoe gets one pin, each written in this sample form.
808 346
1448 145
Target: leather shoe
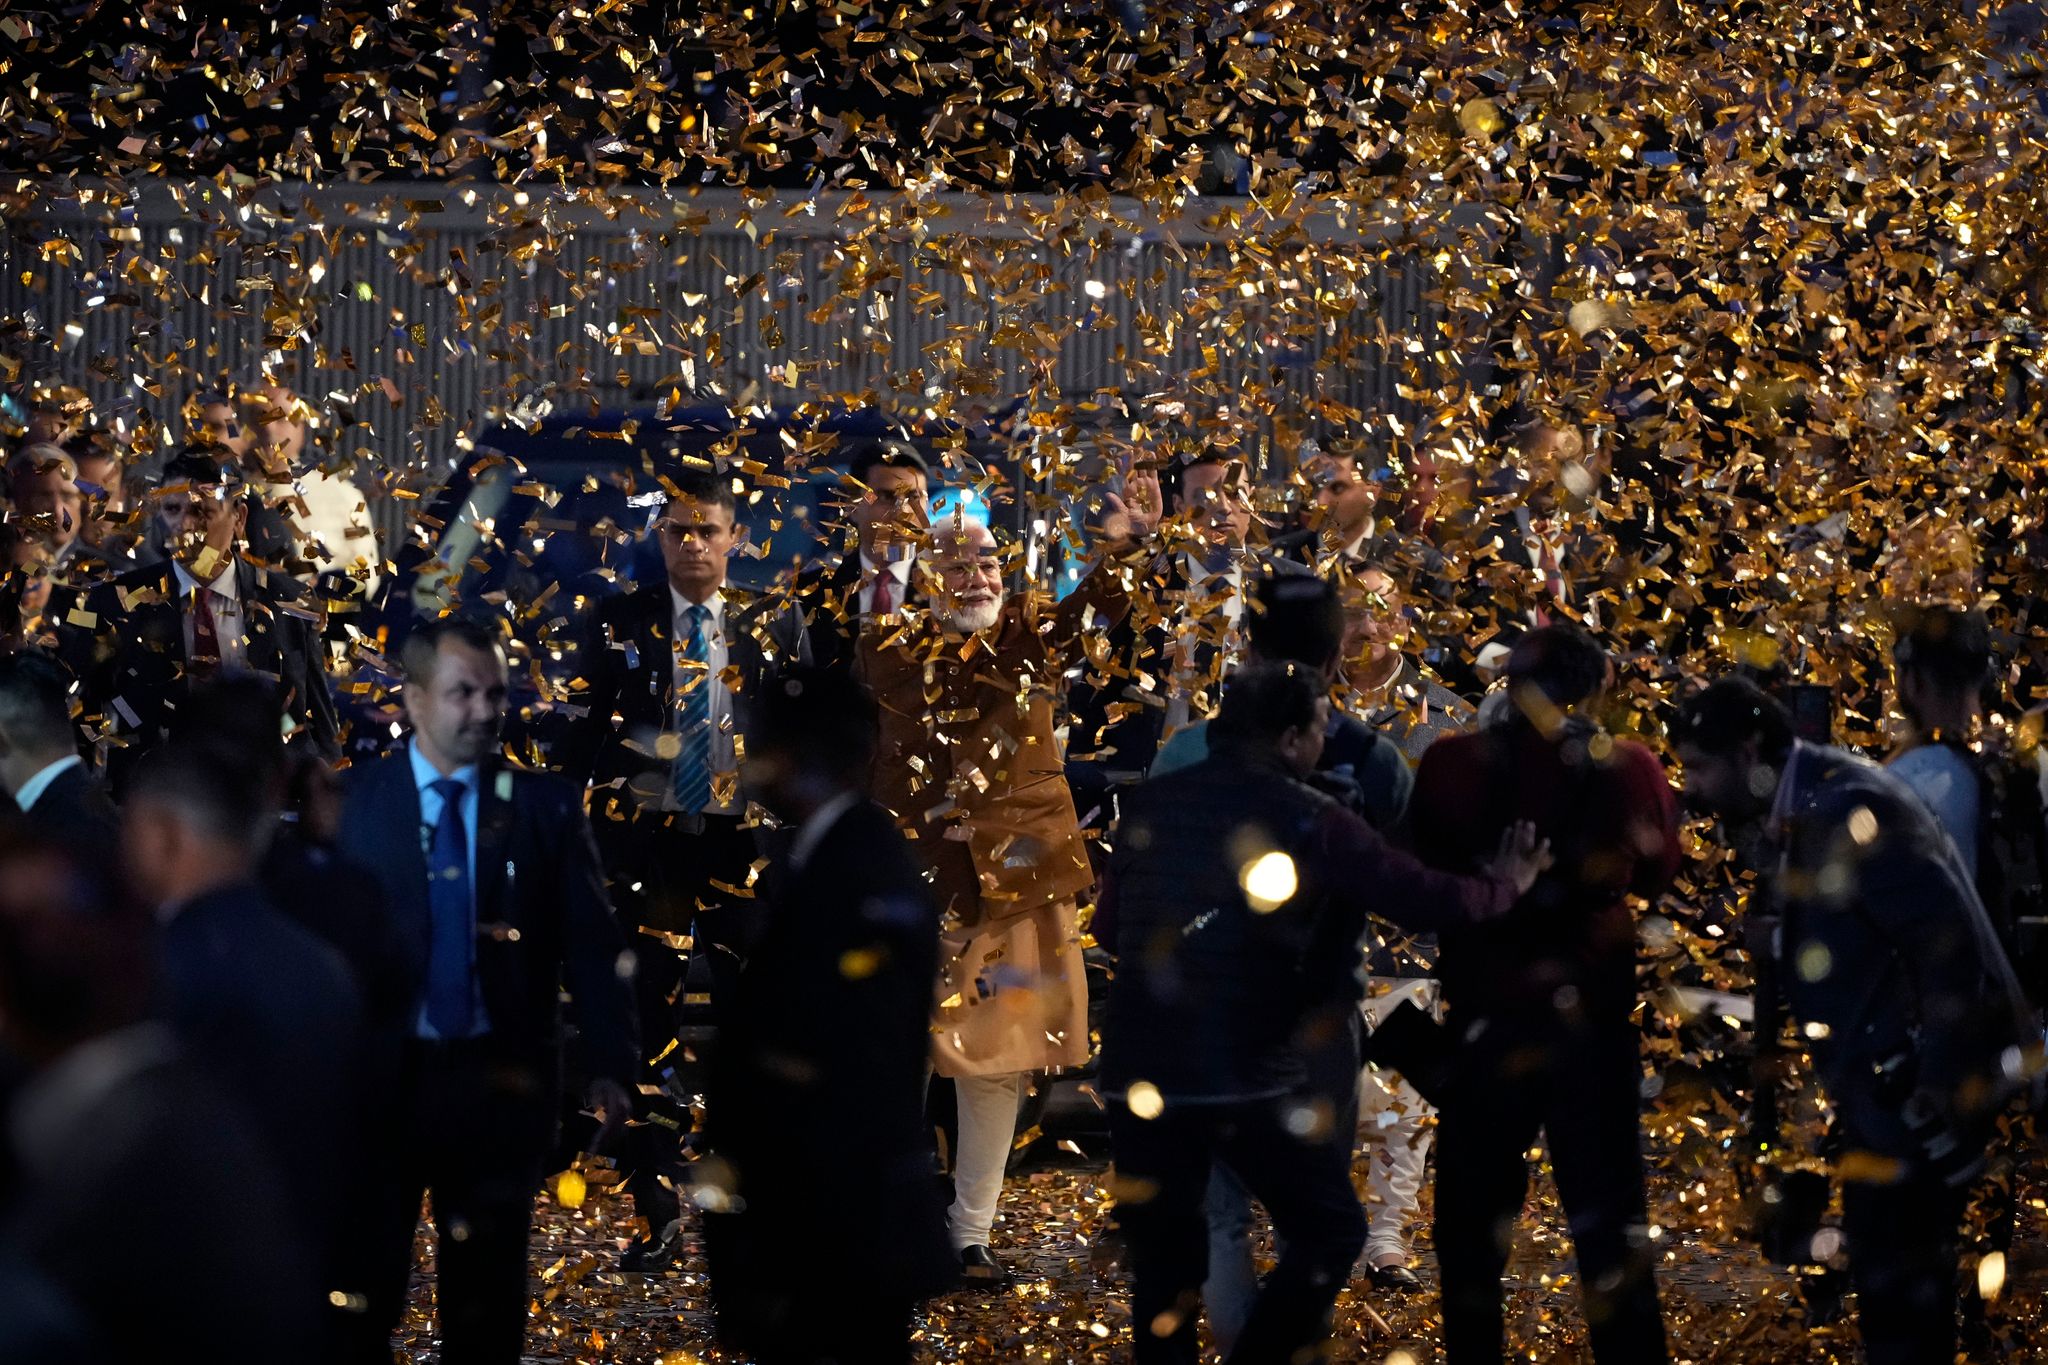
1394 1279
980 1268
653 1255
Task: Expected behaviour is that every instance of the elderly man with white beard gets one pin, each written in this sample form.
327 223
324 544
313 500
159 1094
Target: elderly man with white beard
971 767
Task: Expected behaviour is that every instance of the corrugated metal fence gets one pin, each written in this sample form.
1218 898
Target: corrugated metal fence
423 318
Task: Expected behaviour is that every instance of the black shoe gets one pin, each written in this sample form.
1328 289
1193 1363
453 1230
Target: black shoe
980 1269
1394 1279
652 1255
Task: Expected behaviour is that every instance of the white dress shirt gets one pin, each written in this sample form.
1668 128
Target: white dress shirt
33 789
424 776
225 598
898 569
1353 550
724 759
1208 590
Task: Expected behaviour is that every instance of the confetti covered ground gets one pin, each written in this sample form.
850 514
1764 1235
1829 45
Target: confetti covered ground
1724 1305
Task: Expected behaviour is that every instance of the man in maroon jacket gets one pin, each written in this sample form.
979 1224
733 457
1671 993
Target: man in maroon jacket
1542 999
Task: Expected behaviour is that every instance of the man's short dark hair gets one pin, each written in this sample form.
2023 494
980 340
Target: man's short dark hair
1720 717
702 485
1948 647
35 698
1563 662
201 466
212 786
896 454
1297 618
422 645
1263 702
824 719
1173 479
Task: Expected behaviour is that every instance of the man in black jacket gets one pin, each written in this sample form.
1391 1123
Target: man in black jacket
141 640
1235 901
671 672
263 1002
887 513
1917 1021
60 798
142 1192
493 879
830 1019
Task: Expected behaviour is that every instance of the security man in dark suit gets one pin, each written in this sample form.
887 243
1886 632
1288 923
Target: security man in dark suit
890 483
831 1018
670 673
143 638
493 876
1918 1023
60 798
263 1002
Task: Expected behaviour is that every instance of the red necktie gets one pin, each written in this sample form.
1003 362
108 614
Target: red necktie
1553 585
205 637
881 604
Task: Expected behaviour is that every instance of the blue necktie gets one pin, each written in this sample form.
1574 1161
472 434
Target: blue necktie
691 777
451 961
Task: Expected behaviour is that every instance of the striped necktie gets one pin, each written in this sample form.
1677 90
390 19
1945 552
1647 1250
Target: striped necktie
691 777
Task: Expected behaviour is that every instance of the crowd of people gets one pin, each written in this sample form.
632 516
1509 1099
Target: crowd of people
258 1001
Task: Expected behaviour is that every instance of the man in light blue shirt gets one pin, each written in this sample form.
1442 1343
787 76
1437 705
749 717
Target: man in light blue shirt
431 781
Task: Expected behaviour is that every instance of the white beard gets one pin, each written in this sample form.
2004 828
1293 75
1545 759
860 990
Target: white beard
969 620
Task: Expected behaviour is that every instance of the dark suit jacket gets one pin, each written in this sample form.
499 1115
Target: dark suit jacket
342 903
131 659
831 1019
630 668
829 598
275 1012
542 915
75 812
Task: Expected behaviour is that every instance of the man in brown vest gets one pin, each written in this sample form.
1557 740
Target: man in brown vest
971 767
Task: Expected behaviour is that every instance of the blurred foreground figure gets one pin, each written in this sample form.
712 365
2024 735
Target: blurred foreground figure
263 1002
1235 901
492 878
1916 1019
134 1187
1542 1000
823 1233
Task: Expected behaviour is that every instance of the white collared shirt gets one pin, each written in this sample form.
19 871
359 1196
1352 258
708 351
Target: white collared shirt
1354 550
1205 587
33 789
424 776
724 758
225 600
898 569
1204 582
